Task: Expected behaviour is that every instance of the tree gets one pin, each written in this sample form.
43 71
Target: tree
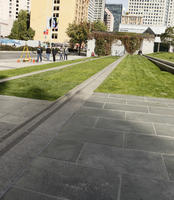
79 33
21 27
98 26
168 36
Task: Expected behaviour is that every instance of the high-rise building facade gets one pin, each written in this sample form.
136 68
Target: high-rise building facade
16 5
9 10
91 10
132 19
64 11
96 10
99 10
154 12
116 10
109 20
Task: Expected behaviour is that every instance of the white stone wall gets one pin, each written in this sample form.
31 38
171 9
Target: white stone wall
117 48
171 49
90 47
147 46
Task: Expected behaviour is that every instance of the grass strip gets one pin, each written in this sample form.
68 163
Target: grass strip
136 75
54 84
163 55
25 70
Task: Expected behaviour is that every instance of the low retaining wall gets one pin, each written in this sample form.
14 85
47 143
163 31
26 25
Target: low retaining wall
162 64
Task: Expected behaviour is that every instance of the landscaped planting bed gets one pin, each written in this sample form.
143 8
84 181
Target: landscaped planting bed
54 84
163 55
25 70
136 75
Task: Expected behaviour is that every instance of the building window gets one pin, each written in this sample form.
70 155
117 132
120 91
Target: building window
56 15
56 7
54 29
56 1
54 36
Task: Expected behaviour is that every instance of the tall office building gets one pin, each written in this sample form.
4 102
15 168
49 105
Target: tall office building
132 19
9 10
64 11
116 10
109 20
16 5
99 10
91 10
96 10
160 13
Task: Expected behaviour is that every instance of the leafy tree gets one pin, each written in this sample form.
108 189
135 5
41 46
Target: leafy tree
21 27
168 36
98 26
79 33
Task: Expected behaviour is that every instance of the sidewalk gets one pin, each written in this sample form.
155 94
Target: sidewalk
6 64
112 147
15 111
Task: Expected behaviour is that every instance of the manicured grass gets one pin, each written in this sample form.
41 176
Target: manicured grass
164 56
24 70
54 84
136 75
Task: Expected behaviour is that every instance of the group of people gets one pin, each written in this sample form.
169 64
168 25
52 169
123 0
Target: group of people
63 53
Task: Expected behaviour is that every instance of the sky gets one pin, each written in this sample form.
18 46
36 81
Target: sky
124 2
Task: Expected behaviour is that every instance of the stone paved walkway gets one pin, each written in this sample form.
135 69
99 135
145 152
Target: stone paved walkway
6 64
115 147
15 111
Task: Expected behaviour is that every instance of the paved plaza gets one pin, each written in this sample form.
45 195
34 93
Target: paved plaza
87 146
114 147
8 60
15 111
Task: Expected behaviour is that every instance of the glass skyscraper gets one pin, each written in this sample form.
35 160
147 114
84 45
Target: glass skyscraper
116 10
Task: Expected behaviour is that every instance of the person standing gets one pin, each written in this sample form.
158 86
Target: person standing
61 53
48 52
54 54
66 53
39 53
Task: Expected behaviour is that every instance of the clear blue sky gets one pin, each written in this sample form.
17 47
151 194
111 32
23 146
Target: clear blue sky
124 2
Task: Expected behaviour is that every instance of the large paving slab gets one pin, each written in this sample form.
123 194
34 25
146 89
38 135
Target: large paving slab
69 181
15 111
109 149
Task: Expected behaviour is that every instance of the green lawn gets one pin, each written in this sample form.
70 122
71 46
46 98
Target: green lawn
164 56
24 70
136 75
54 84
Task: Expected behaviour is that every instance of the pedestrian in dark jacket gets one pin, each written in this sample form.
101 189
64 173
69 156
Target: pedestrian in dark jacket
66 53
39 53
48 52
54 54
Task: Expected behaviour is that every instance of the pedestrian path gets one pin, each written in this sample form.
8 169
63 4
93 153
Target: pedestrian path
96 146
111 148
15 111
43 70
6 64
